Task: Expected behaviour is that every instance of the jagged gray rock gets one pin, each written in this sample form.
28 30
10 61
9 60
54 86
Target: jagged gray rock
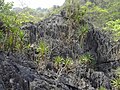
19 72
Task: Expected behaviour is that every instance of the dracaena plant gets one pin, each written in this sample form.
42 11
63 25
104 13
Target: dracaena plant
43 50
59 61
68 62
116 81
62 63
82 32
85 58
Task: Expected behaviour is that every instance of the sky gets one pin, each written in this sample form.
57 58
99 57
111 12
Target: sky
36 3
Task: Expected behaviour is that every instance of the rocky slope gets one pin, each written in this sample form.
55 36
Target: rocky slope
20 72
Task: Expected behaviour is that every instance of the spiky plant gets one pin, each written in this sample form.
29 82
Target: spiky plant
58 62
116 83
42 49
85 58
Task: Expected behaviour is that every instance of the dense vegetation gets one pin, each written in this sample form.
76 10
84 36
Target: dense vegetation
103 14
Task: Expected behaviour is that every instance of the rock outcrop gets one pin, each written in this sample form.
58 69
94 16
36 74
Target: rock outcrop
20 72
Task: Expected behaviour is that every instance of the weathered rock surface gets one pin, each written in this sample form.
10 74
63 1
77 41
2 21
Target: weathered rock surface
19 71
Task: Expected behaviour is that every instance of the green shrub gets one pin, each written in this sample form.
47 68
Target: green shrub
63 63
12 37
114 28
82 32
116 83
85 58
42 49
58 61
68 62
